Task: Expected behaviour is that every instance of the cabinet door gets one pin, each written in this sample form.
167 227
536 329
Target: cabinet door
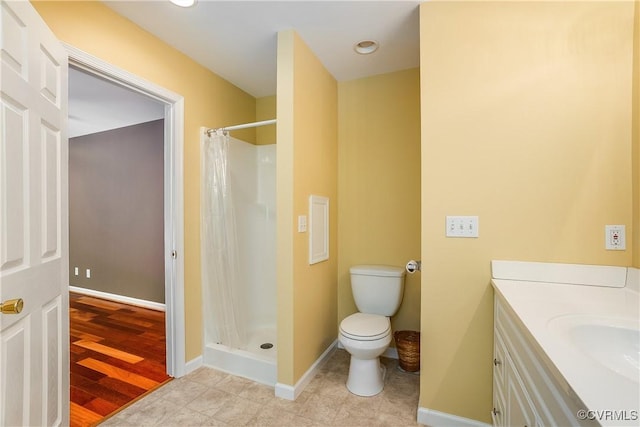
498 414
520 408
499 358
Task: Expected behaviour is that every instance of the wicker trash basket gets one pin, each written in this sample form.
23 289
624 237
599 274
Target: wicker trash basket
408 346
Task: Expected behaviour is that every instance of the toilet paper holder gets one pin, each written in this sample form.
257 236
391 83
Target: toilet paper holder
413 266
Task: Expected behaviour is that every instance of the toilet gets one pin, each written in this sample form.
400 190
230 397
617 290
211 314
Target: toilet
377 290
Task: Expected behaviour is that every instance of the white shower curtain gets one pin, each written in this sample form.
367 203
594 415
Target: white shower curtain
222 308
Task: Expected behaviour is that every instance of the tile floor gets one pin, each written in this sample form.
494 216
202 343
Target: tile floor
207 397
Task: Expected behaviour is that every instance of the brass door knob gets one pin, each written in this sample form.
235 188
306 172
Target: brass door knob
12 306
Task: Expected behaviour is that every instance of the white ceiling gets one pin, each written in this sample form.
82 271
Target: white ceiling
97 105
237 39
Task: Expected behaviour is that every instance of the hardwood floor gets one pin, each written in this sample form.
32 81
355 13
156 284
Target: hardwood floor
117 354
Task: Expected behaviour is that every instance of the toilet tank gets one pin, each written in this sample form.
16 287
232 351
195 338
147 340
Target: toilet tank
377 289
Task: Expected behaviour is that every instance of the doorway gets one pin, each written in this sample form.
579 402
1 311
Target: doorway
173 108
116 191
116 246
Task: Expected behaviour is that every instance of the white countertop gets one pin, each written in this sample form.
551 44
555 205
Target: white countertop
537 303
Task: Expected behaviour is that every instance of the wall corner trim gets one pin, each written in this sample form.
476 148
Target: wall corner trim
193 364
433 418
289 392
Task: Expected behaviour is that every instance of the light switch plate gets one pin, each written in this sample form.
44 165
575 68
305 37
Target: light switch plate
462 226
302 224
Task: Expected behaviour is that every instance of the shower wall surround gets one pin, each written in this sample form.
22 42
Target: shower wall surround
252 172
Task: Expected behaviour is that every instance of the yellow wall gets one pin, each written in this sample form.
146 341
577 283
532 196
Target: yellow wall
526 122
208 101
379 183
636 139
307 164
525 130
266 110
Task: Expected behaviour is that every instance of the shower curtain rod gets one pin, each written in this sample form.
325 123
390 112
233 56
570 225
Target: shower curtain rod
242 126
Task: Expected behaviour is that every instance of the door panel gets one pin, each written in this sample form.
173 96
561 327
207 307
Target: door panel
14 171
17 339
50 158
34 359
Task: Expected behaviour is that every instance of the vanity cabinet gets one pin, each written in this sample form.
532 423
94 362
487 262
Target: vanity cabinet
512 404
526 390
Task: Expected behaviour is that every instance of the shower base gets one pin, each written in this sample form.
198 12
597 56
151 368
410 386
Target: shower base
253 362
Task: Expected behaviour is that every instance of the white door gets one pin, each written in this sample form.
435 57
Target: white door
34 355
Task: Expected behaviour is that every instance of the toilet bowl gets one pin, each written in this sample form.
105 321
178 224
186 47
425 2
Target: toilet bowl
365 337
377 291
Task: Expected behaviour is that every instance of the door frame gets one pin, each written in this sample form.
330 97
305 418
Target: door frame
173 195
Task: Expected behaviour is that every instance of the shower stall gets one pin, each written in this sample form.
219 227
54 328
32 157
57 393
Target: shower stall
238 222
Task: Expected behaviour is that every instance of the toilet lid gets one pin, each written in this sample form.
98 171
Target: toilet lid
365 327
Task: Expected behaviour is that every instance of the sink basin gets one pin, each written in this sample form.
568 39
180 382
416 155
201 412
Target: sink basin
612 342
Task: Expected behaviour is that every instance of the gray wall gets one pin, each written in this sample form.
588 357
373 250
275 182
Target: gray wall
116 211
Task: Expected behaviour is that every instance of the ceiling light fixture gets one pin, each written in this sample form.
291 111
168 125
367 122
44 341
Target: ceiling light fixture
183 3
365 47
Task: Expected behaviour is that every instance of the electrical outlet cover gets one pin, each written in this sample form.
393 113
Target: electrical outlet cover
614 237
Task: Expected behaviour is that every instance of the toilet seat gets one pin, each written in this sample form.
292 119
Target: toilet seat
365 327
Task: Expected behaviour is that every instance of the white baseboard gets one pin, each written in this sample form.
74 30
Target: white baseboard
286 391
289 392
119 298
433 418
193 364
